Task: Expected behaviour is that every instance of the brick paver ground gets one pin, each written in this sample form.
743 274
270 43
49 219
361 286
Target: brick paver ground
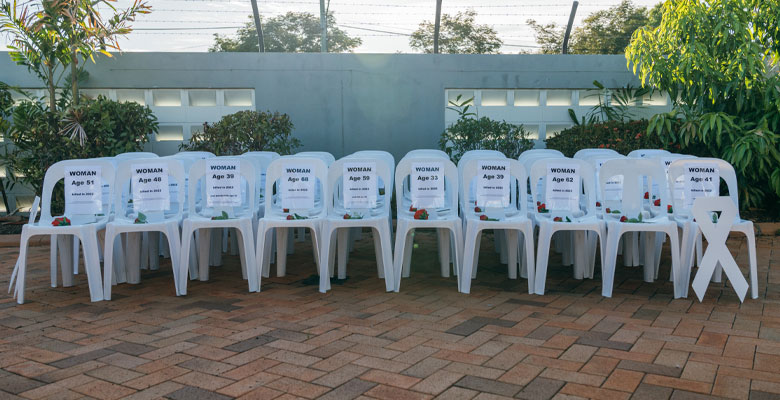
428 341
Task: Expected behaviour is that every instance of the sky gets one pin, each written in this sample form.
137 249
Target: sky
383 25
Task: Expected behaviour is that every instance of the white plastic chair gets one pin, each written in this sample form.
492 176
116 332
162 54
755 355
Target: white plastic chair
537 152
583 219
631 206
33 214
83 226
692 231
512 219
157 221
326 157
375 218
135 154
445 218
648 153
427 153
240 218
585 153
275 218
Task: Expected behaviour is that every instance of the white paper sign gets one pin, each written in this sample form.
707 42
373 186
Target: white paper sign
679 184
360 185
427 185
701 180
297 185
83 190
223 183
613 190
493 184
563 187
150 187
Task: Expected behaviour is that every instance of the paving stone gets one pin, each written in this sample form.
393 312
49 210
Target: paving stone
350 390
82 358
251 343
651 392
650 368
134 349
476 323
488 385
193 393
540 388
16 384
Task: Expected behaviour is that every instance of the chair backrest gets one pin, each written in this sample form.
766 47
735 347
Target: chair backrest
80 171
428 153
514 176
130 171
296 167
582 195
195 154
464 185
634 171
336 183
690 169
220 169
326 157
614 187
388 159
135 154
535 152
584 153
646 153
450 173
676 188
261 160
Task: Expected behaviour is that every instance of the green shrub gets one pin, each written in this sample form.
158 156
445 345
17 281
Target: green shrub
622 137
38 137
482 134
245 131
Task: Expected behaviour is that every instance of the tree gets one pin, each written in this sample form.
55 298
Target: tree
603 32
53 34
458 34
294 32
718 62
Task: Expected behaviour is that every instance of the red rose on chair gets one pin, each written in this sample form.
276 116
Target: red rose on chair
61 221
669 209
290 217
477 209
483 217
421 214
623 219
598 204
412 208
647 195
657 203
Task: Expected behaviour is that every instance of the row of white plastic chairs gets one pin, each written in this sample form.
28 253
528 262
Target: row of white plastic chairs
458 221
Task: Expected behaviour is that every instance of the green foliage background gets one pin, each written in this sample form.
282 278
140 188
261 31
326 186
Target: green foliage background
245 131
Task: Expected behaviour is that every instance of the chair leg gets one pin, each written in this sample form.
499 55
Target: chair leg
237 244
108 262
92 265
511 252
386 249
475 257
542 255
205 246
133 254
65 247
215 253
608 269
282 238
53 259
342 240
470 257
185 256
75 262
269 244
528 239
407 254
173 242
649 252
402 240
247 249
457 231
751 242
444 252
22 263
380 264
676 264
154 250
325 256
580 255
120 274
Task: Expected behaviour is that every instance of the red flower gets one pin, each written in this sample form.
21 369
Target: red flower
669 209
657 203
347 216
647 195
608 210
598 204
421 214
483 217
477 209
558 219
623 219
61 221
285 210
412 208
538 203
290 217
601 146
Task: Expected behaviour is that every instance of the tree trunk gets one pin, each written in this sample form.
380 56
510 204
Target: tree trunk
258 27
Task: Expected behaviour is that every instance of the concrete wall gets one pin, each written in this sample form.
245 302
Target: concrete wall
346 102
